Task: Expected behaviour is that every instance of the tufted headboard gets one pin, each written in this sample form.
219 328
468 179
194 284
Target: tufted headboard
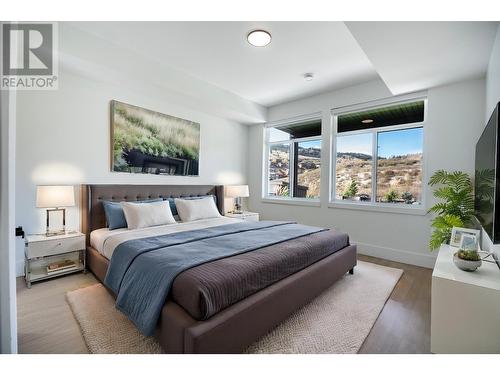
91 197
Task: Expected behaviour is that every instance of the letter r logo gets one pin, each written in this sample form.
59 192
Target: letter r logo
27 49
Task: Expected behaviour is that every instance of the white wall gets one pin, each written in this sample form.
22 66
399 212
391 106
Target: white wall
8 319
8 308
455 120
493 77
63 138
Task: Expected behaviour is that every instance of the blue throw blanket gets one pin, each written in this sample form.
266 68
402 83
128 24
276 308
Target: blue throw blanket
141 271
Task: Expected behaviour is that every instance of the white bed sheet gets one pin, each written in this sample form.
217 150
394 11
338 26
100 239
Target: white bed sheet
105 241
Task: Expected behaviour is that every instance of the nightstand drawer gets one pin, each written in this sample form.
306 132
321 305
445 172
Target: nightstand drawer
55 246
247 216
250 217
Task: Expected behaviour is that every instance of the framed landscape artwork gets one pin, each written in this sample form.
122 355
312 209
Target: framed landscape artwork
145 141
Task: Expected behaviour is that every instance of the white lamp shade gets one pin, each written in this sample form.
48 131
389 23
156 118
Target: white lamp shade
55 196
236 191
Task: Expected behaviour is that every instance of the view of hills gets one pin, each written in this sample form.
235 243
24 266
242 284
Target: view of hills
309 162
399 178
355 155
399 175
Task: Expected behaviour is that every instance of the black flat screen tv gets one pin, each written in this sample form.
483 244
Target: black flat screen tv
487 178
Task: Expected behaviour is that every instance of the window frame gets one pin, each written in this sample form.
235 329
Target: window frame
317 116
373 205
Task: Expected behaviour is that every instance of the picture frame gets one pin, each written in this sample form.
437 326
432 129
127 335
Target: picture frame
457 233
149 142
469 242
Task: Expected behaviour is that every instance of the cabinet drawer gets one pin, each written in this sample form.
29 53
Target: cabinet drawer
251 218
55 246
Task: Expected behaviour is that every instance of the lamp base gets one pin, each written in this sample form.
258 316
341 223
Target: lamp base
237 206
56 232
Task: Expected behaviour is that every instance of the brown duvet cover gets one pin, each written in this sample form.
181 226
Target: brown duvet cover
206 289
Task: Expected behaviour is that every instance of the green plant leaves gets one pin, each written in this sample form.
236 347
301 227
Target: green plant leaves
391 195
470 255
437 238
457 208
442 229
351 190
446 221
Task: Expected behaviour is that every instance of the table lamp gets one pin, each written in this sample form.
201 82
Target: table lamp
237 192
53 198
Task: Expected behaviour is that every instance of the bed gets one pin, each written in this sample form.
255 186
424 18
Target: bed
224 305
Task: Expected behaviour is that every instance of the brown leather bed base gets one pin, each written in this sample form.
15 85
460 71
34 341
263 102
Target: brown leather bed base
233 329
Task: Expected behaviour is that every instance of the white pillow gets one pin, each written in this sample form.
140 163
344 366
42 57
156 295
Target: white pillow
142 215
196 209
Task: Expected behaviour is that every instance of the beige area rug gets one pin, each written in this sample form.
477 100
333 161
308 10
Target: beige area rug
337 321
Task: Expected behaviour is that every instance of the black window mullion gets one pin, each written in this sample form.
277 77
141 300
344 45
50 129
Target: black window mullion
295 150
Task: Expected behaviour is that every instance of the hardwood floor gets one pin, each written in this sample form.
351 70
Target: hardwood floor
404 325
46 323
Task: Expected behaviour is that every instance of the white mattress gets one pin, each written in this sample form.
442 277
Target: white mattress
105 241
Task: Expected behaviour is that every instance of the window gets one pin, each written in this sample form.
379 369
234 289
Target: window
279 169
354 166
379 154
294 160
399 166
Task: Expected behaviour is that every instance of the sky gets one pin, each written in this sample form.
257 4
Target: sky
360 143
311 144
391 143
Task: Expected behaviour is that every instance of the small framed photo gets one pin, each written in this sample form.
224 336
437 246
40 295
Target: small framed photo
457 233
469 242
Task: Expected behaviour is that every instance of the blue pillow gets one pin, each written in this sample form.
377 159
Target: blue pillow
114 213
173 208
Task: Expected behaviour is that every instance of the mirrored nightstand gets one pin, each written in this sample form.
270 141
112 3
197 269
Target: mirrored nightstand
47 257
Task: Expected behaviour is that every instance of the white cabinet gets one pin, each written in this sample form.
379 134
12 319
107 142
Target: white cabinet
465 307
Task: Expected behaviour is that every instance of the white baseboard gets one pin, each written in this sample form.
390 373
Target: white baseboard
396 255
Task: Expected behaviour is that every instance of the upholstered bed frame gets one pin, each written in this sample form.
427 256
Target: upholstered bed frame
236 327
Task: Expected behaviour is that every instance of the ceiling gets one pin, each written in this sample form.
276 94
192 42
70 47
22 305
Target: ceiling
412 56
402 113
218 53
407 56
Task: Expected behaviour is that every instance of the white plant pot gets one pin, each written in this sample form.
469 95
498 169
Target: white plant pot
466 265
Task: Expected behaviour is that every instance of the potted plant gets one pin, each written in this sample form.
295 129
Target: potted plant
467 260
456 206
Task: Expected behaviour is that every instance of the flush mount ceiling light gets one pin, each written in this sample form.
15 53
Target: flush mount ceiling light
367 121
259 38
308 76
